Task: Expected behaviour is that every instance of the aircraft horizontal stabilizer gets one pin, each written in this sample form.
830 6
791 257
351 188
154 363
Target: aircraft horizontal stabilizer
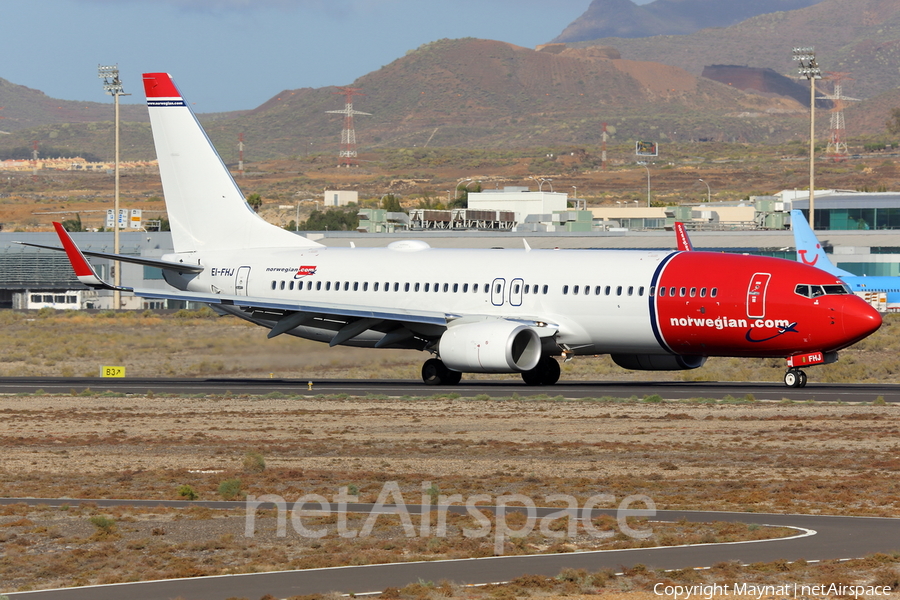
83 269
135 260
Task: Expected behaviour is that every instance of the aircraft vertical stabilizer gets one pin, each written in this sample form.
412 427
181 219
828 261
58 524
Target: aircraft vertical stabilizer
809 250
206 209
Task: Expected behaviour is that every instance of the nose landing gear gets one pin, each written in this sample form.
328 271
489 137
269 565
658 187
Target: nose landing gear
795 378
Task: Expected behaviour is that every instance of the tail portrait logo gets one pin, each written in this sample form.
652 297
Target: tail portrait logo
812 262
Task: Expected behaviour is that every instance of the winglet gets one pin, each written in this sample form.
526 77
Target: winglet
83 269
684 241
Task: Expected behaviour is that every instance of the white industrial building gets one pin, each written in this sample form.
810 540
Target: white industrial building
519 200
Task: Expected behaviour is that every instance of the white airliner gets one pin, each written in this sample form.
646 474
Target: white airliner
478 311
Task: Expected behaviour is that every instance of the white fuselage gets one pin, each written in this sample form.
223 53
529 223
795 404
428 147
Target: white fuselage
600 300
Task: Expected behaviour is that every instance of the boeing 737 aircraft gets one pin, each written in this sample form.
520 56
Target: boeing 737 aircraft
478 311
810 252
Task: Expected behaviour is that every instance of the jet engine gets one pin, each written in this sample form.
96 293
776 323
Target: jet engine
495 346
658 362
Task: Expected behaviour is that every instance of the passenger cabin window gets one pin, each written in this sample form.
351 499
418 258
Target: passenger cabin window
565 290
662 292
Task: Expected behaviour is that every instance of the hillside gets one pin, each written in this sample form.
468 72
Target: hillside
25 108
484 93
623 18
857 36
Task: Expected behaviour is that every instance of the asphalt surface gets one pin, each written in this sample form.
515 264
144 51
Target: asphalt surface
818 538
468 388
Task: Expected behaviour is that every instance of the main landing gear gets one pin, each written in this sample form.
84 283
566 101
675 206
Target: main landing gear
795 378
545 373
435 372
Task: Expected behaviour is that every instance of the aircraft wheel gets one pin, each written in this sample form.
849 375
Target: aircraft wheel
551 371
792 378
545 373
453 377
802 379
434 372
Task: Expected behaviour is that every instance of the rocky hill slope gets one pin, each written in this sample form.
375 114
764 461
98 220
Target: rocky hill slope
623 18
861 37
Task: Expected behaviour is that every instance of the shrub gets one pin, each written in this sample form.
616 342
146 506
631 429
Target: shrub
230 489
187 492
105 526
254 462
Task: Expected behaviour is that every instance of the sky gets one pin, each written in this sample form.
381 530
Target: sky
236 54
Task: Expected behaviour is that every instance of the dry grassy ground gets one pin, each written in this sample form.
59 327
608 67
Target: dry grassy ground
199 344
743 456
750 456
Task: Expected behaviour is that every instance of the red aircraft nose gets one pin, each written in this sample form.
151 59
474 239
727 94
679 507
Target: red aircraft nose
859 319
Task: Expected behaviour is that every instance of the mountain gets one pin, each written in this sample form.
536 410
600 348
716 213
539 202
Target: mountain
623 18
861 37
484 93
25 108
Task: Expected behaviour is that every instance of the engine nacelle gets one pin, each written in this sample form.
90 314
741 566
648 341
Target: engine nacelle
495 346
658 362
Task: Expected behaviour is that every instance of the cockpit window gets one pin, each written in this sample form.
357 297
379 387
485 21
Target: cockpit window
814 291
835 289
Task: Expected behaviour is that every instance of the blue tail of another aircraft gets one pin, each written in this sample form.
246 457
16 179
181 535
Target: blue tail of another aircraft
809 250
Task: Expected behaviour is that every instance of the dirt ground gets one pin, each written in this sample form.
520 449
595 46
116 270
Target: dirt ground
743 456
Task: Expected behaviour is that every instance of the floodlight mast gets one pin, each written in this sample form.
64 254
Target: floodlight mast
113 86
809 68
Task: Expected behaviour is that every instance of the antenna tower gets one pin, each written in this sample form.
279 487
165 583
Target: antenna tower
348 135
837 142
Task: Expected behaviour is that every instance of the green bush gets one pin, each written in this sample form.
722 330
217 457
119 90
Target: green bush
105 526
230 489
187 492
